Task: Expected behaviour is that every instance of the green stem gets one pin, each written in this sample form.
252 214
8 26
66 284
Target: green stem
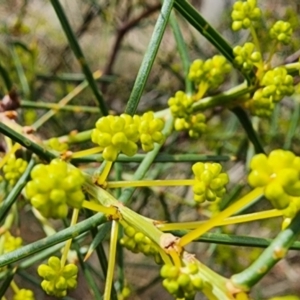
150 183
142 224
5 284
111 261
229 211
246 123
98 237
6 78
146 164
20 71
88 275
76 137
197 21
161 157
273 213
255 38
182 50
68 244
149 57
27 143
293 68
73 77
293 125
63 235
223 99
233 240
79 54
275 252
56 106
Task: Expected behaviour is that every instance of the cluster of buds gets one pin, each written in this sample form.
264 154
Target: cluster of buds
194 124
185 120
117 134
57 279
56 145
246 57
150 130
244 13
183 282
279 175
54 187
13 169
11 242
209 182
282 32
210 72
137 242
24 294
275 84
181 105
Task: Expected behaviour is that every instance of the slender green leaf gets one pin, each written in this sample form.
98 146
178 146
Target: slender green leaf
5 284
161 157
6 78
26 142
63 235
246 123
294 121
79 55
270 256
149 57
182 50
197 21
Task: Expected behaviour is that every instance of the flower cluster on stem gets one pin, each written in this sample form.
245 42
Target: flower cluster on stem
275 84
136 242
279 174
54 188
57 278
117 134
244 13
209 181
182 282
13 169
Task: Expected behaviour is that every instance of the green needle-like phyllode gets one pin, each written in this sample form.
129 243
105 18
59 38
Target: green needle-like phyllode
54 188
279 173
13 169
282 32
57 279
209 181
244 13
24 294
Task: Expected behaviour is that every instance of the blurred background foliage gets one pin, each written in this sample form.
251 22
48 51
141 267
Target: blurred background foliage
37 61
